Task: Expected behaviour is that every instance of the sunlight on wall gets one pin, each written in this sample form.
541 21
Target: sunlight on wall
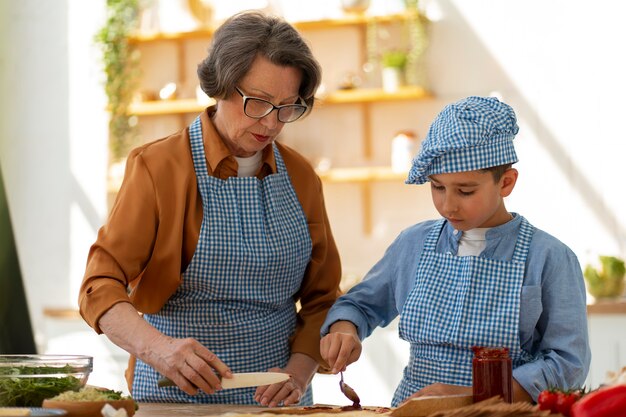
88 141
550 76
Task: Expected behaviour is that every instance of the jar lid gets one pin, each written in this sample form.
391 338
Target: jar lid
486 352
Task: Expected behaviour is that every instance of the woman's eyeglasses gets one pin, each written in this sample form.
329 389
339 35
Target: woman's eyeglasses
257 108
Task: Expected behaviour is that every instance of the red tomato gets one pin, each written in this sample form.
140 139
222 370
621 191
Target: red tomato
547 400
565 401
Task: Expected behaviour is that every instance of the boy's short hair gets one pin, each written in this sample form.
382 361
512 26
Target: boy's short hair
498 171
472 134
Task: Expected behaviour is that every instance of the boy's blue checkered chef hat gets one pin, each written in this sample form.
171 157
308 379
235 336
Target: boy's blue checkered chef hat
471 134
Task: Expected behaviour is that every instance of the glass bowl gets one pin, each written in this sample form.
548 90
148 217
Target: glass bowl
27 380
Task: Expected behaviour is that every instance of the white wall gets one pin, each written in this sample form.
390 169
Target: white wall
559 63
53 148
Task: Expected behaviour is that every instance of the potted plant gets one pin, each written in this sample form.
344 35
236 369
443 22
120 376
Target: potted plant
607 281
393 63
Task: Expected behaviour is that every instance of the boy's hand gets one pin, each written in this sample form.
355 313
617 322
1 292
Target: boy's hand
341 346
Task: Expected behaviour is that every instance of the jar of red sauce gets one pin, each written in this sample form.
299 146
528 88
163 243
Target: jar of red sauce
492 373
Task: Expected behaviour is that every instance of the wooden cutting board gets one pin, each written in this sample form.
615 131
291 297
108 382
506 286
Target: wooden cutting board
329 409
424 406
413 408
209 410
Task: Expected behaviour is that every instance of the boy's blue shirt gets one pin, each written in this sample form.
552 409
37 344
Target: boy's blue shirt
553 320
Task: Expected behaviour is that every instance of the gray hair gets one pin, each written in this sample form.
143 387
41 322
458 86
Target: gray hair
238 41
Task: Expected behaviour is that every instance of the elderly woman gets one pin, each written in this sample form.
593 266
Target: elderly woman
218 231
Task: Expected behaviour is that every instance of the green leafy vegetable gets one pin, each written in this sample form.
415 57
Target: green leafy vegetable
29 386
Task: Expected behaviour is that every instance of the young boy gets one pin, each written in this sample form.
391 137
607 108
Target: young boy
480 276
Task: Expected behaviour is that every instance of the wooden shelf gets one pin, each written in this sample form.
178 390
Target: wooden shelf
361 174
357 19
372 95
334 175
171 36
164 107
66 313
617 306
359 95
344 21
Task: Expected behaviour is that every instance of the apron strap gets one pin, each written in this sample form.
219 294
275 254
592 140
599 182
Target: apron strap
431 240
523 241
197 148
521 246
280 164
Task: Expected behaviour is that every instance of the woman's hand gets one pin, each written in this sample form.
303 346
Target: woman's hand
187 363
440 389
341 346
184 361
301 368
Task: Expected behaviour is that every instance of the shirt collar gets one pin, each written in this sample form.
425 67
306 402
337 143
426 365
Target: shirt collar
494 232
508 228
220 161
497 239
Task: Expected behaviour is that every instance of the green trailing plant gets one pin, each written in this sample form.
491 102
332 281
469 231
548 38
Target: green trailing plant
418 41
410 55
121 62
411 4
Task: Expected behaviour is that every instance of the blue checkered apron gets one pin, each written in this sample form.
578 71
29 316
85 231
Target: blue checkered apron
236 296
459 302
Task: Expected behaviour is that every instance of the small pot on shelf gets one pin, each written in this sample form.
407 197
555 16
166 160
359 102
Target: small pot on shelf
355 6
393 64
392 78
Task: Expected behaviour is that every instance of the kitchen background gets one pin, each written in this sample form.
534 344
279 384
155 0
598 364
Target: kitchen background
560 64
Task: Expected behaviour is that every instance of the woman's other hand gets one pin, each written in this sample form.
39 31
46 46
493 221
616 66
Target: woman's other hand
341 346
301 368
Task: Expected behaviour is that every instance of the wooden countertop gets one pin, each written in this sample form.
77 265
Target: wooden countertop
211 410
194 410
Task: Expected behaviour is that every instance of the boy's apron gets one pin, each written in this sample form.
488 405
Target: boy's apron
459 302
236 296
